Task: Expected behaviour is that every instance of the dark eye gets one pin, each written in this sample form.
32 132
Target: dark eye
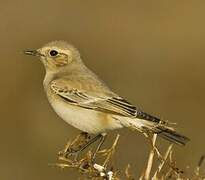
53 53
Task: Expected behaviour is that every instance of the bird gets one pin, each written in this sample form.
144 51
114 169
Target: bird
84 101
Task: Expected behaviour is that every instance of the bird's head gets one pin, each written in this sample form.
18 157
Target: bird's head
56 55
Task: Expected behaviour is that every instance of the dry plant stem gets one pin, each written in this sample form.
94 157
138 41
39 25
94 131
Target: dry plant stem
150 159
197 171
85 165
166 176
102 140
92 171
160 157
111 151
163 162
127 173
142 175
169 173
170 164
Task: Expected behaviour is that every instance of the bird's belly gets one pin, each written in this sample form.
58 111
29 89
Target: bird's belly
86 120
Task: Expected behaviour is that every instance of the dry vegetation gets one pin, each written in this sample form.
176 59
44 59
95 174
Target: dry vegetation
89 169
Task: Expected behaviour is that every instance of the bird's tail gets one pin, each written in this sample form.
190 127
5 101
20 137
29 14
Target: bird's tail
171 135
159 128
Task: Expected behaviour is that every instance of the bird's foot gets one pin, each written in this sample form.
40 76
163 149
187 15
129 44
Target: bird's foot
73 148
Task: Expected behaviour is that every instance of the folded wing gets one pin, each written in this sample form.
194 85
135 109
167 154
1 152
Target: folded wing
99 101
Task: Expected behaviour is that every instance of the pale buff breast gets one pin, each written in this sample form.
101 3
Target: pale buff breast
86 120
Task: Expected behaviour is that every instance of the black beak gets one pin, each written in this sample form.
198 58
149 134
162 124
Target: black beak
32 53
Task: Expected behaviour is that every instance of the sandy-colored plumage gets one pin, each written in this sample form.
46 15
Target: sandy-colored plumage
80 98
76 109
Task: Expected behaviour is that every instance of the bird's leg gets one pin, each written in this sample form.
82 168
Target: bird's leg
102 140
74 145
78 145
91 141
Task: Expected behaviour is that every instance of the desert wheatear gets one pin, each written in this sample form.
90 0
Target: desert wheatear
80 98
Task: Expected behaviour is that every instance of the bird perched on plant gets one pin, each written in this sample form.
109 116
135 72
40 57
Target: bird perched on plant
80 98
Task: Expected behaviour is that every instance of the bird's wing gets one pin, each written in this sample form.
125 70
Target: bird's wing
96 100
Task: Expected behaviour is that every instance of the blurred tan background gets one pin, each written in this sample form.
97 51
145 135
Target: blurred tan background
151 52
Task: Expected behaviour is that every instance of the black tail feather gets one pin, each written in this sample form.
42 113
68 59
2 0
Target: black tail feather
172 136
